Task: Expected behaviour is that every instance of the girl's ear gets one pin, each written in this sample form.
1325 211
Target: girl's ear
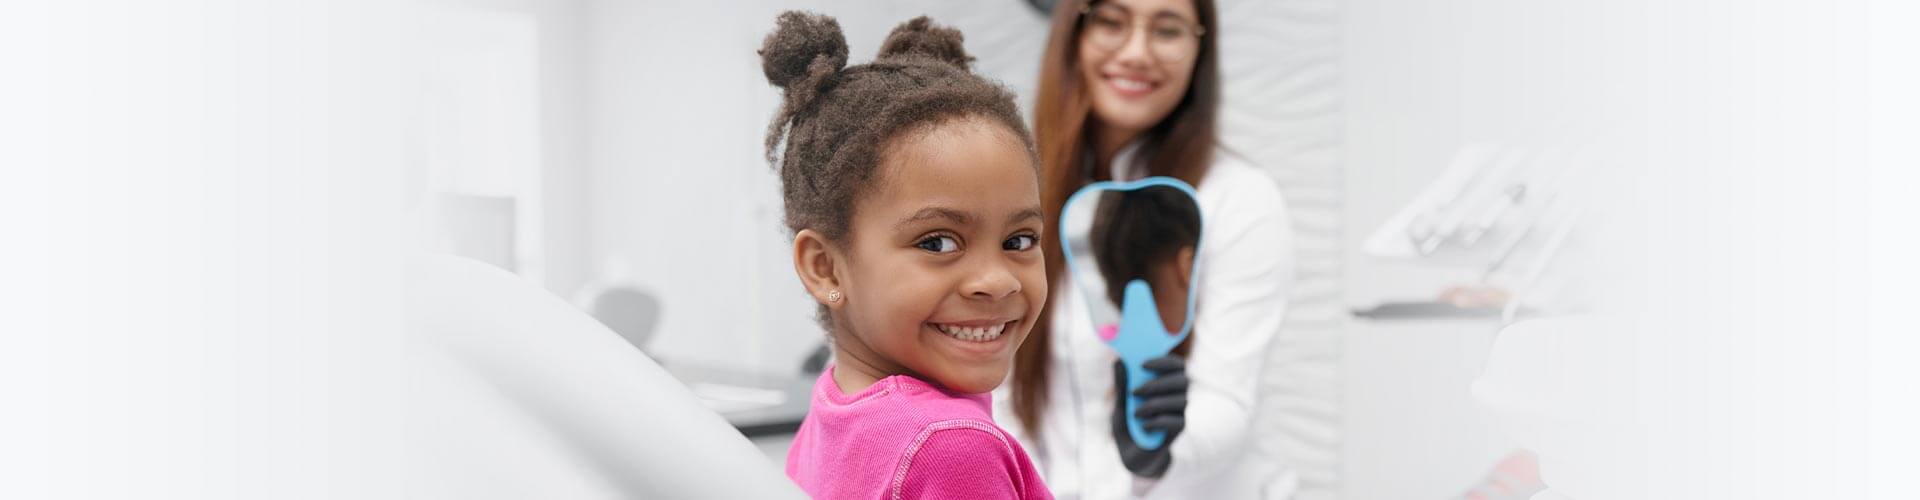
818 263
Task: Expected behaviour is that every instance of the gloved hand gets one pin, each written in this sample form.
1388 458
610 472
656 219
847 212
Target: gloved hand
1163 407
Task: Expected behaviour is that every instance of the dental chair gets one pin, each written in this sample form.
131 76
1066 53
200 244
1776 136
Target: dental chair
520 395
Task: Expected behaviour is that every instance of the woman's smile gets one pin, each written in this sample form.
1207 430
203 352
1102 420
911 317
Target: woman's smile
1130 86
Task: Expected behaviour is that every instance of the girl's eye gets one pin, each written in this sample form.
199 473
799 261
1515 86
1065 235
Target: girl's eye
1020 243
939 244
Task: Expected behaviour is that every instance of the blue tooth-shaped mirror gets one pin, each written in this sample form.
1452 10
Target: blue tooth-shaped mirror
1131 252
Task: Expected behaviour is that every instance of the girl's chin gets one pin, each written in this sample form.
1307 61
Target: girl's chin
971 386
972 381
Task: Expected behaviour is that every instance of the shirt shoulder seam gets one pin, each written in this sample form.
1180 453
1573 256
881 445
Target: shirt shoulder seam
906 460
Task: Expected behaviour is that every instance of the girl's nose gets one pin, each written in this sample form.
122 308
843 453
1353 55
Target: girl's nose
994 281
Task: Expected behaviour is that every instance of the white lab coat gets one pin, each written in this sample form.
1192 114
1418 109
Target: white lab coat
1245 274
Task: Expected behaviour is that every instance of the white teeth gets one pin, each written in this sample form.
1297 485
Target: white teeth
1130 84
972 333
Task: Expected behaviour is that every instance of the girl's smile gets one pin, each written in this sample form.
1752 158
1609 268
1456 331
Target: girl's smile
985 343
972 331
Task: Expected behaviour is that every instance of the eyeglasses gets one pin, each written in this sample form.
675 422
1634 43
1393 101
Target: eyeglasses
1170 37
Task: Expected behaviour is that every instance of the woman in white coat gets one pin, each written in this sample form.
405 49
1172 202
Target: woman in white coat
1130 88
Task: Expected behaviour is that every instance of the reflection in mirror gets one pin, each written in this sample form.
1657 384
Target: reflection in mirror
1148 234
1131 249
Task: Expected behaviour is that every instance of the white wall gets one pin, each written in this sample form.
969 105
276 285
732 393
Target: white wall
1285 104
1425 78
508 71
566 214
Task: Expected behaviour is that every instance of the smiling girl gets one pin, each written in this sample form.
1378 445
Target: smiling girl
912 190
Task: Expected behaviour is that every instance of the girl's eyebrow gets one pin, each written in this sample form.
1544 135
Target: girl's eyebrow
962 218
958 217
1031 213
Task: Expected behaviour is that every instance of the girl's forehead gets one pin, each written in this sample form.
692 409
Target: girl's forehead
955 154
977 168
949 136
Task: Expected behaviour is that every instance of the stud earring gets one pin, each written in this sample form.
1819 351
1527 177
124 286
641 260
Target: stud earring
833 295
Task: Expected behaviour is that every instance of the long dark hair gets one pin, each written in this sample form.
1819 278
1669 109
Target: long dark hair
1180 146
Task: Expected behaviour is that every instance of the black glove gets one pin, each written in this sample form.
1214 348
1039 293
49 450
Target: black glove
1163 407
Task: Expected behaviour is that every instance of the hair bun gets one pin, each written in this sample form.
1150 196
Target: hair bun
920 37
802 45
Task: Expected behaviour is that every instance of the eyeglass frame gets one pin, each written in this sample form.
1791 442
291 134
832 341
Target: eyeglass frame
1086 11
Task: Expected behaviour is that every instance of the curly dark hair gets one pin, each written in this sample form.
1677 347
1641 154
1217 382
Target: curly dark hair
838 120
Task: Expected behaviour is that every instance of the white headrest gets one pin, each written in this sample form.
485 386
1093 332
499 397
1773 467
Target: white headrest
520 395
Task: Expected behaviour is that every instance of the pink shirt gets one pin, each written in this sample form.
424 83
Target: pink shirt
906 438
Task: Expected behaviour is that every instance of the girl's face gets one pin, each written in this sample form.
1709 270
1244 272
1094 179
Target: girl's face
1137 59
944 276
